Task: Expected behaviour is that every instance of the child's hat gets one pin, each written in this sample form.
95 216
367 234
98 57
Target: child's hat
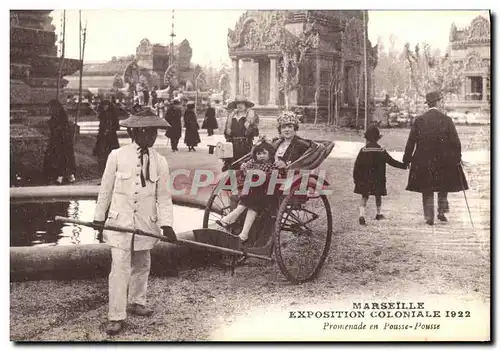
372 133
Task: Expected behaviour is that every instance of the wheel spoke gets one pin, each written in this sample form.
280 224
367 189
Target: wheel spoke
303 237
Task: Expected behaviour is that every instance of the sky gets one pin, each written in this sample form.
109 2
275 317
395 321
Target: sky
118 32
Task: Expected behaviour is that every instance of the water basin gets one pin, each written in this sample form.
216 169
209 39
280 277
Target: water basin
32 223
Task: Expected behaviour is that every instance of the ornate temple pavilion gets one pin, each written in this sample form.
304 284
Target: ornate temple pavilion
471 47
254 47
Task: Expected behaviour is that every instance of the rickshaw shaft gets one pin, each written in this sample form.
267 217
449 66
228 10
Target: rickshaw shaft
162 238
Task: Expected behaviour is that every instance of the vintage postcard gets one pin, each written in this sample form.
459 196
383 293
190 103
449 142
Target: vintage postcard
250 175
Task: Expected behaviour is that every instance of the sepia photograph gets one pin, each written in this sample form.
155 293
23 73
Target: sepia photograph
251 175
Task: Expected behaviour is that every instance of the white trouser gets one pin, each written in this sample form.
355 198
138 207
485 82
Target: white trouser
126 274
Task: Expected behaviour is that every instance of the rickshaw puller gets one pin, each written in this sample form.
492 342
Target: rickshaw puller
134 189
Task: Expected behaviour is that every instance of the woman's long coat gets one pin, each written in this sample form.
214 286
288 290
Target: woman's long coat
192 137
434 151
241 135
107 139
60 155
173 117
131 205
210 122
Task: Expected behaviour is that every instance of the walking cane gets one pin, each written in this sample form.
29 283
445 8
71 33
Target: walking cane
459 166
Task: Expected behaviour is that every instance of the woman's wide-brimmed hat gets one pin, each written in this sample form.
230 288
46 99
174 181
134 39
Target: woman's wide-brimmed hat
190 102
288 117
372 133
145 120
432 97
176 102
240 100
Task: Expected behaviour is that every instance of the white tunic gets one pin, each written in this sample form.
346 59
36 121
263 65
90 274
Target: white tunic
130 205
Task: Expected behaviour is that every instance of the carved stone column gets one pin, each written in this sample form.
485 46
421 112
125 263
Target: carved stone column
485 84
462 93
236 76
246 77
317 82
468 83
255 82
273 81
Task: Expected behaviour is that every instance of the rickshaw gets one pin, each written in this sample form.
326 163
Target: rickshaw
296 226
295 229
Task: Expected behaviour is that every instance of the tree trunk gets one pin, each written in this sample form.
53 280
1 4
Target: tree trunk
357 113
285 93
316 114
329 106
336 111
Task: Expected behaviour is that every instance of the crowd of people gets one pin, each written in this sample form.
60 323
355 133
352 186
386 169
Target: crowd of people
60 165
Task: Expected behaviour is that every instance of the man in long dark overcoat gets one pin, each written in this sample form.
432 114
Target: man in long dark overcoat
434 151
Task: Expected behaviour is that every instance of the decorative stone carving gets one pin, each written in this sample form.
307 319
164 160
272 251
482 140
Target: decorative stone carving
34 62
14 19
473 61
19 70
257 30
477 33
453 32
183 55
32 36
246 89
479 28
224 82
131 75
170 77
118 81
353 38
144 47
259 33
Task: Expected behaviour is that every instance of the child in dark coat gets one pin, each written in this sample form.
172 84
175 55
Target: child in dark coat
369 172
257 197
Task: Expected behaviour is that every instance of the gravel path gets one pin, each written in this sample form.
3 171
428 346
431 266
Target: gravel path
397 259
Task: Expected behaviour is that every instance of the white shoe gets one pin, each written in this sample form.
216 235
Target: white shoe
59 180
71 178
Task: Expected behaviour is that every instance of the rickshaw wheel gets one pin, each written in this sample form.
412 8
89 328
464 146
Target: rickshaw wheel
219 204
302 236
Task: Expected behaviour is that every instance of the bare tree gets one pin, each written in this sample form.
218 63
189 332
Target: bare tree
293 52
333 92
61 62
357 88
431 73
